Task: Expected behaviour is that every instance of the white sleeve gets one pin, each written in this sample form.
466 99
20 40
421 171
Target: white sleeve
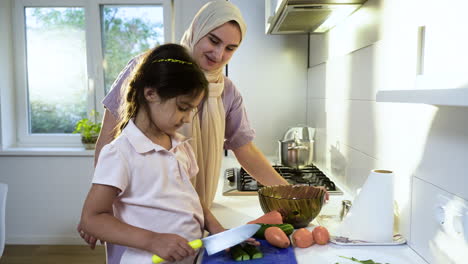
111 168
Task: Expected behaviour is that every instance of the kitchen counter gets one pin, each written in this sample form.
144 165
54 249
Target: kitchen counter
233 211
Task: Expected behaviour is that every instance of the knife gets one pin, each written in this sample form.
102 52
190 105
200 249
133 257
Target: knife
220 241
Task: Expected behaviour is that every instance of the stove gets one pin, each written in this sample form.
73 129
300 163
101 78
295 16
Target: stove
237 181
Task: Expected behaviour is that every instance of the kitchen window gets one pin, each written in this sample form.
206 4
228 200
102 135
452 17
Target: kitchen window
67 55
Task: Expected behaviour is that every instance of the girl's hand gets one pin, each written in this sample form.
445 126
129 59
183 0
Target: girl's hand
88 238
253 242
171 247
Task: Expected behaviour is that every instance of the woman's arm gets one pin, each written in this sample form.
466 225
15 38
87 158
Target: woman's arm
256 164
107 133
98 220
105 137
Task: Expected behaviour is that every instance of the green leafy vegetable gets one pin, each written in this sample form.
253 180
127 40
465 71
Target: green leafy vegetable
369 261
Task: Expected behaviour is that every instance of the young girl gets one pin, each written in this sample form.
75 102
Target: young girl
141 195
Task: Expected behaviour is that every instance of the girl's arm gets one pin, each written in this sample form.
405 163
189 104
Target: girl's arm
212 224
254 162
98 221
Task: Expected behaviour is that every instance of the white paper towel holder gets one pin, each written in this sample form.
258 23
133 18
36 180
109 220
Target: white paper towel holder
373 209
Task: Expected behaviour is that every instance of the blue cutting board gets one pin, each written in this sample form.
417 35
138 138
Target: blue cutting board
271 254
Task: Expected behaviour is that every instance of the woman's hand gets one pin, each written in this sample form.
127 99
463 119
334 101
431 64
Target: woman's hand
327 195
170 247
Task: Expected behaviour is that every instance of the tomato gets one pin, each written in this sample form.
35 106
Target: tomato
276 237
321 235
303 238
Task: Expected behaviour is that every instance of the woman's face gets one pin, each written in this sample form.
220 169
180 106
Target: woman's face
216 48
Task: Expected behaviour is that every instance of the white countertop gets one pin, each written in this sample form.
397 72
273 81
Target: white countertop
233 211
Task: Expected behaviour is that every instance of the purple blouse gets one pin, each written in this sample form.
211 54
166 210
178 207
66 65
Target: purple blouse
238 131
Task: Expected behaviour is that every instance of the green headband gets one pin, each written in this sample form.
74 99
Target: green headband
174 60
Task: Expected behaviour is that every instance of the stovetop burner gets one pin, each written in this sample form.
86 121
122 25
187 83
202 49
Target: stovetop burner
309 175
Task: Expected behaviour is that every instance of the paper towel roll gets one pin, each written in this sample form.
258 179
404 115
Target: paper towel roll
371 215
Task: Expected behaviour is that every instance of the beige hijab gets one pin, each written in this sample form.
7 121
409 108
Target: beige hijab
208 136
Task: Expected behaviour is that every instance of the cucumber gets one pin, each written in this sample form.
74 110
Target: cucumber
253 251
287 229
238 254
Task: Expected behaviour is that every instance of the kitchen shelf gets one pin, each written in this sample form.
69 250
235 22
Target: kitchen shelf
447 97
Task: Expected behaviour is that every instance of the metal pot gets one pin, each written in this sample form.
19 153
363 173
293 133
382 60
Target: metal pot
299 132
297 147
296 153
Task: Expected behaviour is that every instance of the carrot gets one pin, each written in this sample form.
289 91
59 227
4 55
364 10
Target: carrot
272 218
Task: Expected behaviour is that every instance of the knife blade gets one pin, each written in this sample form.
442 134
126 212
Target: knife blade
221 241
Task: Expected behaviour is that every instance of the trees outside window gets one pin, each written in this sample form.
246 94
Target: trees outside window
67 70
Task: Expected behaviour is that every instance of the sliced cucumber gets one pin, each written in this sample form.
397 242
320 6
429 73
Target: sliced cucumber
253 251
238 254
287 229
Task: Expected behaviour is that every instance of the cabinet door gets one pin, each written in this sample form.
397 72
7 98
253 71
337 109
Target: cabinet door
444 44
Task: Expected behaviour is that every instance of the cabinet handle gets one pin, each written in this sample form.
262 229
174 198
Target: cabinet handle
421 44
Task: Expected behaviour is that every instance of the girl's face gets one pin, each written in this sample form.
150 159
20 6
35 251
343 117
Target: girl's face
216 48
171 114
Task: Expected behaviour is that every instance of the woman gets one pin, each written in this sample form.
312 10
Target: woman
212 38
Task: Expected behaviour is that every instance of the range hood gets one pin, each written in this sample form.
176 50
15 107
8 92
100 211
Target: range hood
307 16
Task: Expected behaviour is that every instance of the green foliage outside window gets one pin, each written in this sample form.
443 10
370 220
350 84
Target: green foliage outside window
55 118
123 38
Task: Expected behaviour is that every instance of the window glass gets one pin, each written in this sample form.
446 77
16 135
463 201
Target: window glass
56 68
126 32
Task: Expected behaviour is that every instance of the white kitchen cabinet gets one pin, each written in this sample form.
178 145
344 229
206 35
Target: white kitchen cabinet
447 97
442 57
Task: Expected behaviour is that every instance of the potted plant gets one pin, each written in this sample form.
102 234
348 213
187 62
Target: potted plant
89 130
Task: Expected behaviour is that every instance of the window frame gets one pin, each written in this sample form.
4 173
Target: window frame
94 53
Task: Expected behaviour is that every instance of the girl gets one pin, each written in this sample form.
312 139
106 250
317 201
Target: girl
212 39
141 195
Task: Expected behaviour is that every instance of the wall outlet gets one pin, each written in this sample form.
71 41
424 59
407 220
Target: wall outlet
452 215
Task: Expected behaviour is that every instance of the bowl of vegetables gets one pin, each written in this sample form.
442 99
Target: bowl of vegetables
298 204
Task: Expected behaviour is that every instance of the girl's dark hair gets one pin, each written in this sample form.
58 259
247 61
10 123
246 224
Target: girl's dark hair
170 71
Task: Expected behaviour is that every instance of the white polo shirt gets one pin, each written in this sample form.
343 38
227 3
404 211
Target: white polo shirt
156 192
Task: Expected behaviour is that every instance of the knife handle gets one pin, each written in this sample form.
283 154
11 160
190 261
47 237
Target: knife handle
195 244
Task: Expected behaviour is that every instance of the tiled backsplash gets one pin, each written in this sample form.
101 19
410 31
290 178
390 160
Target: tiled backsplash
426 146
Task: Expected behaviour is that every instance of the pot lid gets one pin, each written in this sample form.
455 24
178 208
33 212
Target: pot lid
302 133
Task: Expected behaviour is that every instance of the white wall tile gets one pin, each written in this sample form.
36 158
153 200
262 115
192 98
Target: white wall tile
316 81
436 242
361 29
424 143
445 154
